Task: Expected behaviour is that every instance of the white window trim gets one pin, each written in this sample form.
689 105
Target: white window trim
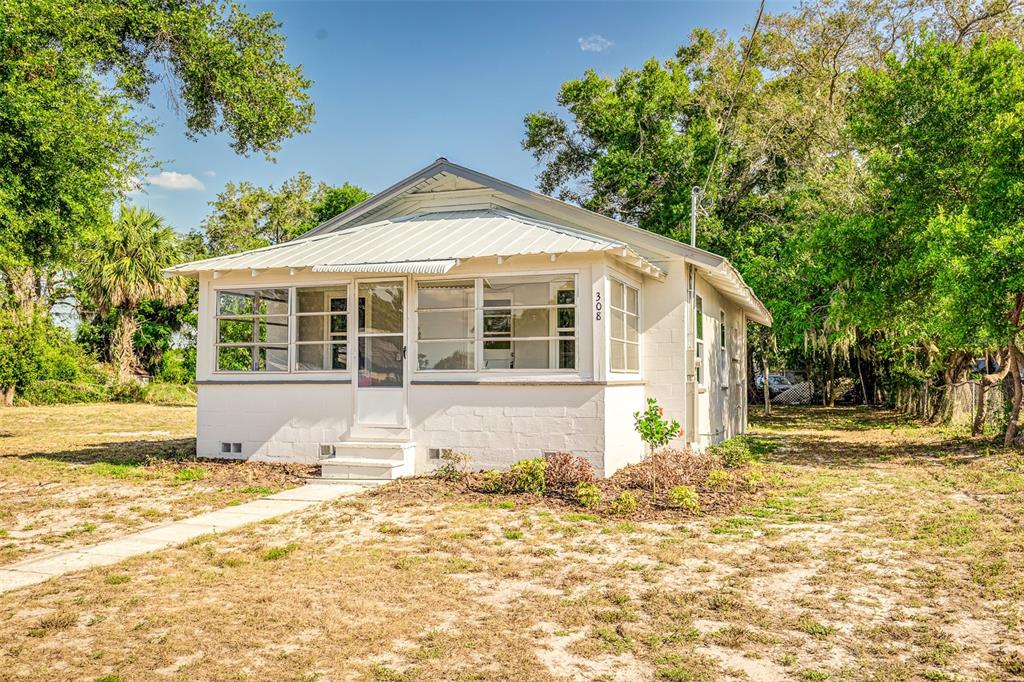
479 338
327 342
217 345
698 351
639 325
723 351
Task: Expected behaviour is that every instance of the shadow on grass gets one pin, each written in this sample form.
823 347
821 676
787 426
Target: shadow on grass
127 453
856 436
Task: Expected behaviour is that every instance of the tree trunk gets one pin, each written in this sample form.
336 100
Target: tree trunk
979 408
1018 395
8 395
23 286
122 345
831 380
764 387
863 387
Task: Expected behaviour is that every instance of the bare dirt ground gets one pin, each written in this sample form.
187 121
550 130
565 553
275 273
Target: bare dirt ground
78 474
889 551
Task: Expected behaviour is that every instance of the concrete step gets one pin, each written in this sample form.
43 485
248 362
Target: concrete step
369 461
367 449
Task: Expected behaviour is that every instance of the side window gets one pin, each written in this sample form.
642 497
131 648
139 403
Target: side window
698 325
625 327
723 349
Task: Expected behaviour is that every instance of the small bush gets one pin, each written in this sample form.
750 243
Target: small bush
493 482
685 497
128 392
526 476
177 366
54 392
566 471
454 467
719 479
625 504
163 393
190 474
669 467
588 494
513 534
734 452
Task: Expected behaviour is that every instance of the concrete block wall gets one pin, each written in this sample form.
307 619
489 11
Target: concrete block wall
273 422
501 424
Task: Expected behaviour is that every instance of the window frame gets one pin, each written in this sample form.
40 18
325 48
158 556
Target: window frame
698 334
612 281
479 337
326 315
253 345
723 350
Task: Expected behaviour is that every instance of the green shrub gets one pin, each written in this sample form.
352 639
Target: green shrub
719 479
654 429
588 494
526 476
734 452
454 466
625 504
685 497
163 393
53 392
177 366
492 482
128 392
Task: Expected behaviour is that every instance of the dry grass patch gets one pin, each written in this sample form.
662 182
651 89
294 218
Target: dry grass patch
72 475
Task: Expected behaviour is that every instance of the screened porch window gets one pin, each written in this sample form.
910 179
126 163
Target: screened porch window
252 330
497 323
625 327
321 334
698 325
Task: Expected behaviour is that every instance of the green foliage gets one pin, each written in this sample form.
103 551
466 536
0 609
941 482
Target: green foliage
625 504
735 452
189 474
245 216
177 366
163 393
718 479
588 495
53 392
492 482
454 466
685 497
275 553
653 428
526 476
128 391
22 344
72 77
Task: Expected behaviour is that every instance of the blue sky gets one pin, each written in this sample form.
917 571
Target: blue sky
397 84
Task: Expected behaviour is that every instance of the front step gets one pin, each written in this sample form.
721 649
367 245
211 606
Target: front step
363 460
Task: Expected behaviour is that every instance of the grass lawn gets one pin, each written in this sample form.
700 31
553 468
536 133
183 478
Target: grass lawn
889 551
78 474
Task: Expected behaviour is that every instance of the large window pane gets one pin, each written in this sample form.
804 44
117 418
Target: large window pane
632 328
443 355
235 302
321 357
272 358
433 295
321 299
618 319
381 361
618 295
618 358
632 357
272 329
523 291
624 327
234 331
566 354
446 324
234 359
381 307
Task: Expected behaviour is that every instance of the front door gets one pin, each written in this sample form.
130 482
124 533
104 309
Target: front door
380 351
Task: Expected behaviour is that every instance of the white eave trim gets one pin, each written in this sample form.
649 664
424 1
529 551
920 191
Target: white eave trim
431 267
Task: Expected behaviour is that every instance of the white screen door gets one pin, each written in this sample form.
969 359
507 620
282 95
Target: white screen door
380 349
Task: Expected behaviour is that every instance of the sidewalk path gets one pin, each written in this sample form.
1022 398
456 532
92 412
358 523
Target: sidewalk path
43 568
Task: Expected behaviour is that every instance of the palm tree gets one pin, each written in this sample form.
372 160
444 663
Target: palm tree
121 267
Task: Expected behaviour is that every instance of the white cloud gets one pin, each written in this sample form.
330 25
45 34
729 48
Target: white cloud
594 43
174 180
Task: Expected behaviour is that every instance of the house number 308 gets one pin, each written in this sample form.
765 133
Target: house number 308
598 305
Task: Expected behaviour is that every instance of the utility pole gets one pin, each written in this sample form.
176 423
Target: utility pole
694 200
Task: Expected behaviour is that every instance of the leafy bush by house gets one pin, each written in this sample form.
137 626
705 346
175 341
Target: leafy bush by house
588 494
453 467
565 472
492 481
526 476
718 479
626 503
685 497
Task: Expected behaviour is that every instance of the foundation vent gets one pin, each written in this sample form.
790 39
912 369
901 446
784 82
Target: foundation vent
433 453
326 450
230 448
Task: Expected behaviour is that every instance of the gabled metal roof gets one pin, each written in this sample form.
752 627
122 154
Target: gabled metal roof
426 242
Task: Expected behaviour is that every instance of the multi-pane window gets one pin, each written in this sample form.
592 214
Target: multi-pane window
321 322
497 323
625 327
446 332
252 330
723 363
381 334
698 326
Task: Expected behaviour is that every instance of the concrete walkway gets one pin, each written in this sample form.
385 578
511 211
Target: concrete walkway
41 569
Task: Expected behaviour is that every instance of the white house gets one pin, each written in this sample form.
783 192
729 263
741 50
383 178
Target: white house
457 311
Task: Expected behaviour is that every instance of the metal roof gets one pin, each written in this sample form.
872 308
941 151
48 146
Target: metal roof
424 243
